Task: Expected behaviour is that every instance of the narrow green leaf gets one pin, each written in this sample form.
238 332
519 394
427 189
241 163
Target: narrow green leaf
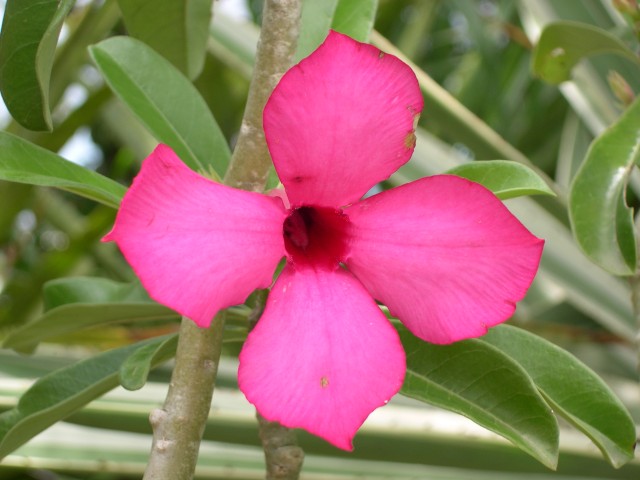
76 303
314 25
57 395
67 290
504 178
165 102
24 162
177 29
563 44
602 224
573 390
478 381
355 18
135 369
71 318
30 30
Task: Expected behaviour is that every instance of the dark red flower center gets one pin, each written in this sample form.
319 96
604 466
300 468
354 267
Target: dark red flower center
316 235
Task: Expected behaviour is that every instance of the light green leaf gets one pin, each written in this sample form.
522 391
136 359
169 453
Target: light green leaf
478 381
355 18
68 290
30 30
573 391
177 29
24 162
135 369
563 44
504 178
76 303
59 394
602 224
164 101
314 25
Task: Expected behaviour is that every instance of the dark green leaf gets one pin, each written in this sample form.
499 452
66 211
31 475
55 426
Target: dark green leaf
478 381
177 29
135 369
164 101
563 44
57 395
24 162
355 18
504 178
572 389
602 223
314 25
30 30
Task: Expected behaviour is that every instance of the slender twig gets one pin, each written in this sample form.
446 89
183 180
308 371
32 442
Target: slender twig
179 425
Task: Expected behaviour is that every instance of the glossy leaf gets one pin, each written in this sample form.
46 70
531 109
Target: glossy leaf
24 162
135 369
177 29
30 30
164 101
355 18
563 44
478 381
572 389
315 23
602 224
61 393
504 178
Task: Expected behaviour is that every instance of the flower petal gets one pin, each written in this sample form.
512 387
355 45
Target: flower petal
196 245
322 357
444 254
340 121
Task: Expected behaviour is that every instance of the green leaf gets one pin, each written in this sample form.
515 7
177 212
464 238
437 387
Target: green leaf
24 162
164 101
177 29
478 381
573 390
504 178
64 291
30 30
563 44
314 25
76 303
135 369
602 223
57 395
355 18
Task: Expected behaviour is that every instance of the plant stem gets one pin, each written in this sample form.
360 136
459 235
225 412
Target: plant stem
179 425
278 39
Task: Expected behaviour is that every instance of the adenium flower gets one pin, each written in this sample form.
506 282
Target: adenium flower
442 253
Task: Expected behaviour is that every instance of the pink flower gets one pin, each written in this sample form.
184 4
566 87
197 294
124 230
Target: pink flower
443 253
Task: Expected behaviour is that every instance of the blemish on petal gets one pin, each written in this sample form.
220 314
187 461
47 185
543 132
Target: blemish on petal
324 382
381 54
410 140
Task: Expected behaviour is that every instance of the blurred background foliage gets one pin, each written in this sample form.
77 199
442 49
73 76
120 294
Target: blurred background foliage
480 52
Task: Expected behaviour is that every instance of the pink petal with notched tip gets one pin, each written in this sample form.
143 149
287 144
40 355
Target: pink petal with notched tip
444 254
196 245
341 121
322 357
